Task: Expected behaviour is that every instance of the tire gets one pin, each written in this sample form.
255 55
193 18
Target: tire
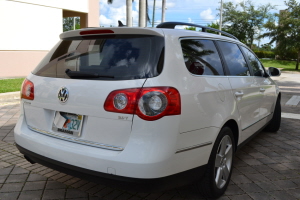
274 124
219 168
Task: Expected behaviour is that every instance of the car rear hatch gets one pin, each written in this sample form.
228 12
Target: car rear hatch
72 83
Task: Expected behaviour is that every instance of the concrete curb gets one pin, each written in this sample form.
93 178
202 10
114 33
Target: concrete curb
10 96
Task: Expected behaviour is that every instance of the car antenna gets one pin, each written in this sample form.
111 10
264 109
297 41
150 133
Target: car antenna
121 24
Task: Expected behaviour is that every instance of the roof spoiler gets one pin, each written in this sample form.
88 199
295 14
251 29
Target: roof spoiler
172 25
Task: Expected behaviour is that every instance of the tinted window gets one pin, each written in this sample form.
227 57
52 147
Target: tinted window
201 57
112 58
254 62
234 59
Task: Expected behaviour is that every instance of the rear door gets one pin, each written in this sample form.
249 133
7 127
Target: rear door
244 88
73 81
266 87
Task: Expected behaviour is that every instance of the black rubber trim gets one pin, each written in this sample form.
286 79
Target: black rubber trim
172 25
257 121
135 184
252 136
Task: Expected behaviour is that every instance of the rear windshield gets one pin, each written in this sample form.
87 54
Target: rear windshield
116 57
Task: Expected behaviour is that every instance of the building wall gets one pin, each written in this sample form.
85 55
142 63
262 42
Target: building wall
19 63
93 16
29 30
74 5
29 27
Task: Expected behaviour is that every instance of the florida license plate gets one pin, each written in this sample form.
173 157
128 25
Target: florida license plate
68 123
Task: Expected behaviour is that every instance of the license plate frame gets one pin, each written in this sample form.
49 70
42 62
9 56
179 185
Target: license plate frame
68 123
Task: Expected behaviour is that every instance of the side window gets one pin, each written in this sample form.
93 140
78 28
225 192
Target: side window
201 57
254 63
234 59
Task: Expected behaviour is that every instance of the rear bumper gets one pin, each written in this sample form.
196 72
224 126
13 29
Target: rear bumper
149 154
137 184
149 160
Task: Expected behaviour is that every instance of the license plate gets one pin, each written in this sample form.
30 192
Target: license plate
68 123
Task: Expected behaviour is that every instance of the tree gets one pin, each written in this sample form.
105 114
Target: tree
191 28
68 23
267 47
284 29
213 25
244 21
216 26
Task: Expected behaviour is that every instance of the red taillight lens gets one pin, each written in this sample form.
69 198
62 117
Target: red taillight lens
122 101
154 103
148 103
27 91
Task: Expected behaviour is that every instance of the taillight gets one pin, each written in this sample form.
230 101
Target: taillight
27 90
122 101
148 103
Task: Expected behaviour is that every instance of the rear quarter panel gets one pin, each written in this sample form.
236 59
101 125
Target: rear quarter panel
207 102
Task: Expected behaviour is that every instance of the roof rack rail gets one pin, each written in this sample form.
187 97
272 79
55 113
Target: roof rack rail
204 28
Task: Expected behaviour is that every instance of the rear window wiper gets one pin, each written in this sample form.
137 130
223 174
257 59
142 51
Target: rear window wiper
79 74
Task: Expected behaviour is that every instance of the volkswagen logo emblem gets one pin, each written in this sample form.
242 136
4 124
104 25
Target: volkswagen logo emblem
63 95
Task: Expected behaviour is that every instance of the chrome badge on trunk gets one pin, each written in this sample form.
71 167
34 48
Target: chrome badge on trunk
63 94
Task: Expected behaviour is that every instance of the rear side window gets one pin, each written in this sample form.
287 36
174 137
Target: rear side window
201 57
234 59
105 58
254 62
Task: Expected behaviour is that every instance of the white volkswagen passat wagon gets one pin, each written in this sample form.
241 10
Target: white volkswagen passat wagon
146 107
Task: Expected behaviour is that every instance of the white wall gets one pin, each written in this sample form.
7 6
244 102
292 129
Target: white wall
28 26
74 5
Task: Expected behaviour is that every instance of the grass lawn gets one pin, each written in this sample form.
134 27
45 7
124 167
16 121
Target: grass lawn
286 65
10 85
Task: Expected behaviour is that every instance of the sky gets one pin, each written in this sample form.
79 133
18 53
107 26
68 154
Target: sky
201 12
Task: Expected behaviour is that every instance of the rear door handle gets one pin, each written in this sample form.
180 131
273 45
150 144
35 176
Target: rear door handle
239 94
262 89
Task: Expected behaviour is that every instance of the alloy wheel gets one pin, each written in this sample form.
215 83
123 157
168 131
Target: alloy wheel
223 161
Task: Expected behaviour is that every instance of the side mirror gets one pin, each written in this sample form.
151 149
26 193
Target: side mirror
274 71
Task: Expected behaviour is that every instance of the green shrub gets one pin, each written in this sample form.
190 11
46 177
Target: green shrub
265 54
287 55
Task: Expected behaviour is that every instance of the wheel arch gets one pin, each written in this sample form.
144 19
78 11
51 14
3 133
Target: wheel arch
232 124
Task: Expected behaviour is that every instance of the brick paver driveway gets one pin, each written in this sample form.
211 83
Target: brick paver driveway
268 167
